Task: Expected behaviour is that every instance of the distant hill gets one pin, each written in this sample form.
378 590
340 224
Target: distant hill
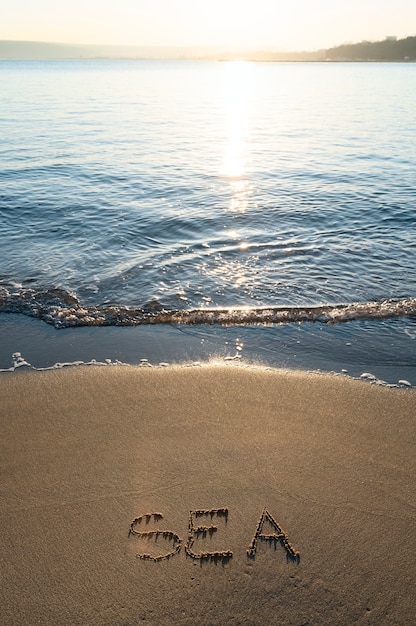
39 50
26 50
42 50
387 50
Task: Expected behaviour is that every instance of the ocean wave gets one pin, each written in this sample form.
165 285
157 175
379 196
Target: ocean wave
62 309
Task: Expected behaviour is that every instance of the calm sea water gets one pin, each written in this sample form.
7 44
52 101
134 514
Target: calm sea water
150 192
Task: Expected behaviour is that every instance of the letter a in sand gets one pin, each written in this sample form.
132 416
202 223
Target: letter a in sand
277 535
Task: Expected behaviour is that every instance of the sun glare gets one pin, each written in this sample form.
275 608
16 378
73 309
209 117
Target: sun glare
236 92
236 95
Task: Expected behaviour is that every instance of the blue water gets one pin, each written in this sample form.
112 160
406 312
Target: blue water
194 192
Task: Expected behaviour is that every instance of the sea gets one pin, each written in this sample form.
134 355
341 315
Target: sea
159 212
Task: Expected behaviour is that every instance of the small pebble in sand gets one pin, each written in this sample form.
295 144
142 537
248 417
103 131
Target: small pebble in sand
368 376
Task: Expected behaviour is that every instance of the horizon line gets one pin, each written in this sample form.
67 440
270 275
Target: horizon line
211 47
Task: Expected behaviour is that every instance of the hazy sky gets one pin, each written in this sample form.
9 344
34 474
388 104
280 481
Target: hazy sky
277 24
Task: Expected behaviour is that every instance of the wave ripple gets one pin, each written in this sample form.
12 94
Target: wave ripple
63 309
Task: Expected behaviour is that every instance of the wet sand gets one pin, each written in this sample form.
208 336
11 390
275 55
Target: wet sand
207 496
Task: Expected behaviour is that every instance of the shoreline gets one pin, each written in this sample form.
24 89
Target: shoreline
184 495
382 350
21 366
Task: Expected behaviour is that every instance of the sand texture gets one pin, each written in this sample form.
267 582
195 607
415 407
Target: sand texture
205 496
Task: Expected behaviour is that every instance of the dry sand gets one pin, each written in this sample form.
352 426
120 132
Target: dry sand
87 453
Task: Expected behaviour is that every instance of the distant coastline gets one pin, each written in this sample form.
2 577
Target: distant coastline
388 50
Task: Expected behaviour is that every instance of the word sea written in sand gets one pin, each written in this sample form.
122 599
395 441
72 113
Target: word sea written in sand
201 525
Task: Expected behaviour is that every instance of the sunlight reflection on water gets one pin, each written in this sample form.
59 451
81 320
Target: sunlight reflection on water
237 89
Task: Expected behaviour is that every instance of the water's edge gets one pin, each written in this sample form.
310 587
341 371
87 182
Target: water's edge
380 352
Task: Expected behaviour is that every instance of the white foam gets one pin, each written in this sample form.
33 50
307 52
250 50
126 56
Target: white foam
62 309
19 361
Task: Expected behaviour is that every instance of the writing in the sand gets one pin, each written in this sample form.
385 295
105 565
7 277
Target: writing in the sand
203 523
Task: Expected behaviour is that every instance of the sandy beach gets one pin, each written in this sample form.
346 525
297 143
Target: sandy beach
205 496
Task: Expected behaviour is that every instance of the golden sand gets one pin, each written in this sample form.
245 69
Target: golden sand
205 496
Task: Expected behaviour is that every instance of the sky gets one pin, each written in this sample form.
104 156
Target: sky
243 24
